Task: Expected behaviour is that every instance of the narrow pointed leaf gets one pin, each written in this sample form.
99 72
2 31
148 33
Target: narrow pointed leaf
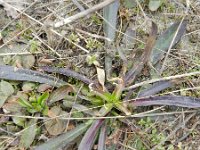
109 27
163 42
69 73
102 138
156 88
90 136
18 74
110 16
136 69
64 139
181 101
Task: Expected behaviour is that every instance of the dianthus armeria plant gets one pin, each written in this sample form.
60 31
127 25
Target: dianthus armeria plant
112 102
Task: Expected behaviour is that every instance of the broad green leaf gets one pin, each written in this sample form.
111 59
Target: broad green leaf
28 134
19 120
64 139
163 42
155 4
129 3
28 86
3 98
28 61
18 74
6 88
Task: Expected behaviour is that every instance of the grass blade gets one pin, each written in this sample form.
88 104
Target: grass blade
18 74
181 101
64 139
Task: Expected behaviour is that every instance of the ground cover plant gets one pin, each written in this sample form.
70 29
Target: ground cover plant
99 75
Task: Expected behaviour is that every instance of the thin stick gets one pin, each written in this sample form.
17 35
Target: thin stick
162 79
82 14
21 53
171 44
139 115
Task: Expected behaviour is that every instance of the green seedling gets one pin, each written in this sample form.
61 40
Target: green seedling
96 20
73 38
93 44
36 105
34 46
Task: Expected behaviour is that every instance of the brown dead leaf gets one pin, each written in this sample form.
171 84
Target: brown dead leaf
101 76
60 93
43 87
55 126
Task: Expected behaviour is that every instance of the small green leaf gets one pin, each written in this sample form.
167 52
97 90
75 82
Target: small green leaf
130 3
24 103
3 98
6 88
19 120
28 86
155 4
42 99
29 133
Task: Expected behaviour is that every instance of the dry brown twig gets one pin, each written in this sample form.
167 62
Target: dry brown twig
83 13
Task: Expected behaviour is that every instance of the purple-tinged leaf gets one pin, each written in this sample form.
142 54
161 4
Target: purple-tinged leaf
102 138
69 73
181 101
163 42
19 74
137 68
64 139
90 136
155 88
